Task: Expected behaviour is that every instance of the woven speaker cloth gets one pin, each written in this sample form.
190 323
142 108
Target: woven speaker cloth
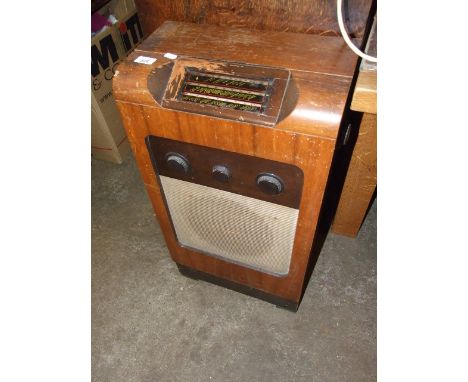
239 229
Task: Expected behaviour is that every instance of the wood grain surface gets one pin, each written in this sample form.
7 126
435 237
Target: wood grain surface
365 92
311 53
301 16
361 180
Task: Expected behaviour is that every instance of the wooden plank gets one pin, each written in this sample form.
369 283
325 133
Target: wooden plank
365 93
361 180
301 16
311 53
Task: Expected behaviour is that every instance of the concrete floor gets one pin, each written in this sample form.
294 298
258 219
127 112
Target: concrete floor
149 323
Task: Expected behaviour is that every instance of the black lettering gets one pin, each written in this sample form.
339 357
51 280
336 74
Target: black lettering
96 84
133 25
105 96
126 41
108 74
101 57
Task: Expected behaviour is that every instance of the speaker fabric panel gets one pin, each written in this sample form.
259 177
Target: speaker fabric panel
243 230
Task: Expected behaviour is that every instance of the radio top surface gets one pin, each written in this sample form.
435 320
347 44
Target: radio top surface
289 81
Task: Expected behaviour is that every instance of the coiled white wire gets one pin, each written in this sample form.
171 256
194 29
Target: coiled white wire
339 5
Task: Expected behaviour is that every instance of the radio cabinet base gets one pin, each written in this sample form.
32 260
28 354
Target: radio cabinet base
244 289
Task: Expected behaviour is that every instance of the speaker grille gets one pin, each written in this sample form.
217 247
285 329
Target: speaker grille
236 228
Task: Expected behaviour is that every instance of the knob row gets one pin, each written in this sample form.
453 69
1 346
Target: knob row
269 183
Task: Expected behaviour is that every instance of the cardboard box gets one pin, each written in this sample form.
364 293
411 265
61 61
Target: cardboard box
108 138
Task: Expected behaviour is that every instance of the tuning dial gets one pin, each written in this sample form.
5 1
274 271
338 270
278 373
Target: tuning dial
270 183
221 173
177 162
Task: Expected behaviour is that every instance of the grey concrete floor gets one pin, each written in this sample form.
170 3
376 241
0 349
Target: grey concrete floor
149 323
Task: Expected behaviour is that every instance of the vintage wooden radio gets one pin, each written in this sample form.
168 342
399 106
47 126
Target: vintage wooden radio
234 133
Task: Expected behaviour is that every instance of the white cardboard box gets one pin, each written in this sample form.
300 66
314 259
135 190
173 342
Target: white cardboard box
108 138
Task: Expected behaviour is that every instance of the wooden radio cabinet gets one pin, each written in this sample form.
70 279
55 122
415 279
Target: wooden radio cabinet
234 133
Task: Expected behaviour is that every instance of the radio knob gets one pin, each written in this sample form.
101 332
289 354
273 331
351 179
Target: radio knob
221 173
270 183
177 162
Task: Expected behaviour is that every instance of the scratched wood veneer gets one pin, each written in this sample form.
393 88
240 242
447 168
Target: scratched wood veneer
299 16
305 136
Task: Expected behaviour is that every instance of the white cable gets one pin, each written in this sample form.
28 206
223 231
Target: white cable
346 37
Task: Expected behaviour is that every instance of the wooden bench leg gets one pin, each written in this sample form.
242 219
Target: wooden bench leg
361 180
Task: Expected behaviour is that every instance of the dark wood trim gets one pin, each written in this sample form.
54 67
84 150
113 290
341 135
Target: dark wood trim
244 289
244 170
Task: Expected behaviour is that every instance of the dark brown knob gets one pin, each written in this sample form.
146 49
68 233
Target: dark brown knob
221 173
177 162
270 183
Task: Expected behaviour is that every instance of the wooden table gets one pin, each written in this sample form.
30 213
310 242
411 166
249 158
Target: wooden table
361 179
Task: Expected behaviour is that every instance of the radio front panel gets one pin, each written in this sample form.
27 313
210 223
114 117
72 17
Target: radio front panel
237 207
